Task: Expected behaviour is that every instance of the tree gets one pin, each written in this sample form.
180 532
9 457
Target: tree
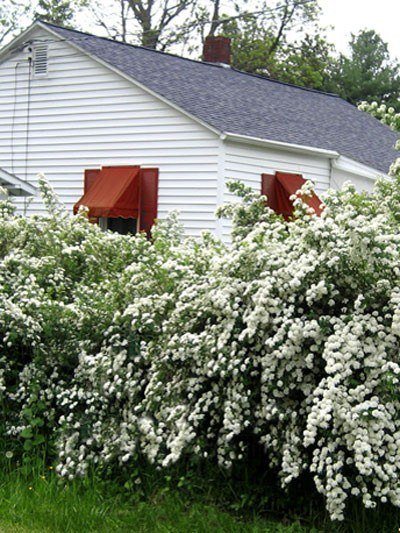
368 73
163 23
307 63
57 11
151 23
60 12
11 12
15 13
155 18
260 40
113 18
251 45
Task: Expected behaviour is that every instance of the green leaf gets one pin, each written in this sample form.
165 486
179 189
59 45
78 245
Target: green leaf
37 422
26 433
39 439
28 445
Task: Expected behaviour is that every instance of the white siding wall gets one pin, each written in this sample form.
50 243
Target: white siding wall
339 177
83 115
362 177
247 162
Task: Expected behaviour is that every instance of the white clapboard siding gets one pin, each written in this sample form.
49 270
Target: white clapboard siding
247 162
84 115
362 177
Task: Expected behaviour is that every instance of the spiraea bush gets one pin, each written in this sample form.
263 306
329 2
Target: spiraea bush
115 347
387 115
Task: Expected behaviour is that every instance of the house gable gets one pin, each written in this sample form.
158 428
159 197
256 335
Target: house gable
85 115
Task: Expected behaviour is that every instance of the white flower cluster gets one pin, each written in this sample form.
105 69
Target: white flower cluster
387 115
290 337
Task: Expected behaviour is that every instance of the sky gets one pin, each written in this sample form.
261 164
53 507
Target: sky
346 17
350 16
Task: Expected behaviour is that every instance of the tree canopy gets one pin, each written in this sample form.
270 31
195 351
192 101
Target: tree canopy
368 72
56 11
282 39
10 18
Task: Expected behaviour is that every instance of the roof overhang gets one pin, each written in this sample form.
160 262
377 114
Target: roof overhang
337 160
357 169
279 145
18 44
16 186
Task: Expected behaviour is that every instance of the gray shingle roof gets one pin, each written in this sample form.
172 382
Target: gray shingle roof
237 102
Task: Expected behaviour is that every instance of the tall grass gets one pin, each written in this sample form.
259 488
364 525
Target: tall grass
33 499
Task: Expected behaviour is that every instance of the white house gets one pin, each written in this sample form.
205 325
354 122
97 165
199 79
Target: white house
71 101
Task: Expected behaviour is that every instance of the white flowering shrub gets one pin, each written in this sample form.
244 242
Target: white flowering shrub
54 274
387 115
114 347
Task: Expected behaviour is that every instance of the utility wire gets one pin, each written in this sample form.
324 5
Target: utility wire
14 111
28 109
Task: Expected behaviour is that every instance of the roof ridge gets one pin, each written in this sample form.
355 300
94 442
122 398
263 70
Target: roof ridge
288 84
197 61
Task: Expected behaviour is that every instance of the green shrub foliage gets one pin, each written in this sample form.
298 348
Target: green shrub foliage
115 347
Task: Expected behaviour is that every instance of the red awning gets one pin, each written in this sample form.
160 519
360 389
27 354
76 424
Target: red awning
279 187
113 192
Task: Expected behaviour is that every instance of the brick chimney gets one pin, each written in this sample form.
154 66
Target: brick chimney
217 50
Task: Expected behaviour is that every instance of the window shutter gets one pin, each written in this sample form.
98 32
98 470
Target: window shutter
90 176
268 189
149 198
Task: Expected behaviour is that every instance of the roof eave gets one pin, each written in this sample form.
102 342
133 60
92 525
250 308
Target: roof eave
280 145
16 186
338 161
355 168
6 50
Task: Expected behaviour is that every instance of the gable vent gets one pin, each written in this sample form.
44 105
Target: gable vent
40 63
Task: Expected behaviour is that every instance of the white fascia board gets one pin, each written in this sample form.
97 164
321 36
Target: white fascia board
357 169
279 145
132 80
16 186
6 50
13 46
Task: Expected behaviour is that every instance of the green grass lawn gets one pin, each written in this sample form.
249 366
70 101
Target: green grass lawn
34 500
39 503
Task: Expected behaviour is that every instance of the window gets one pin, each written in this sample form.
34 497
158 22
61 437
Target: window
40 60
121 198
124 226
